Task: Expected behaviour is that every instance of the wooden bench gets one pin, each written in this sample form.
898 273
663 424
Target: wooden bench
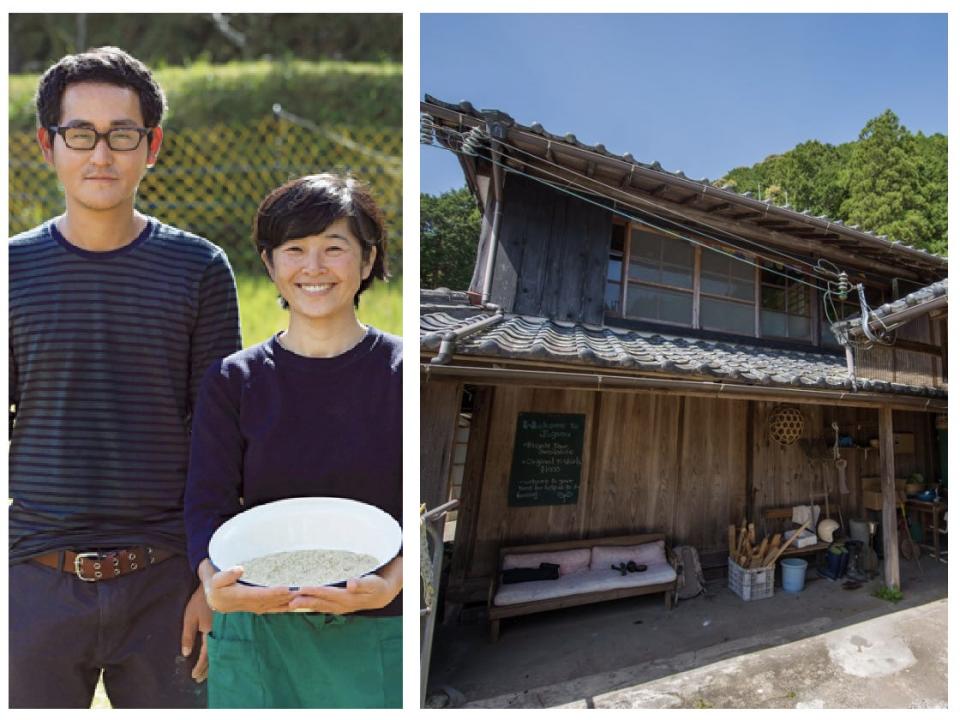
786 513
496 613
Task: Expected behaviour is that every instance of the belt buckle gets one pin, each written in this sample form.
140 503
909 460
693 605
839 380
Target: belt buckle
78 567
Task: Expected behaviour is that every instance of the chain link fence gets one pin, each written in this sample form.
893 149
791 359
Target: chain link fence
211 180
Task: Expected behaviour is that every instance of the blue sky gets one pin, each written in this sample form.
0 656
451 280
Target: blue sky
699 93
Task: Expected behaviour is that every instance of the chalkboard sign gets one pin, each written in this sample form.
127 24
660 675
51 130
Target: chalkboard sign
547 458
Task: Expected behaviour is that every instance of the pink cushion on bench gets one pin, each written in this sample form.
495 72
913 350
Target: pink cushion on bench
570 561
603 556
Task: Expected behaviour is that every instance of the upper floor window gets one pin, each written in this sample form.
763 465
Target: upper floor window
784 303
659 278
727 293
614 289
666 279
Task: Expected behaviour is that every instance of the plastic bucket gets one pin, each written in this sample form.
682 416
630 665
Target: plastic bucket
794 573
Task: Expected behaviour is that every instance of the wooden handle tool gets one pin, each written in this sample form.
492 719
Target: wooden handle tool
787 544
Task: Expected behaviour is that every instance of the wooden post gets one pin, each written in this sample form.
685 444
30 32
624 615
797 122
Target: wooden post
891 559
469 508
439 408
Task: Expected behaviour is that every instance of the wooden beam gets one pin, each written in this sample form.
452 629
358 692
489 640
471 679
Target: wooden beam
473 469
772 223
439 410
536 373
688 199
697 262
832 237
718 208
743 215
658 190
904 315
891 558
750 491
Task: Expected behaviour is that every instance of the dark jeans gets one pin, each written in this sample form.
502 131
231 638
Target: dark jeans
63 631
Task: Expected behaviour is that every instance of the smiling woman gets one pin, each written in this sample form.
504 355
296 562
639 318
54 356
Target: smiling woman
315 410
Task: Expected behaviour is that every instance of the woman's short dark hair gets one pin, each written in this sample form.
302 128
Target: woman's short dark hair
309 205
100 65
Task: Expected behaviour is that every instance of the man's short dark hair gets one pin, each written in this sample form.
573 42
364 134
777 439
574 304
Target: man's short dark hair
99 65
309 205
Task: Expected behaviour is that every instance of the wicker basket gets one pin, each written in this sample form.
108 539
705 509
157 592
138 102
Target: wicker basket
749 584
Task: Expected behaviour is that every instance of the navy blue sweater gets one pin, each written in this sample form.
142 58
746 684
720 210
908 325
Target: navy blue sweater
271 424
106 354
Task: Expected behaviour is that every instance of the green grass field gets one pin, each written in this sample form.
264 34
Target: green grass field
261 315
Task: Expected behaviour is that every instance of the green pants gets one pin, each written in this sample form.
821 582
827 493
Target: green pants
304 660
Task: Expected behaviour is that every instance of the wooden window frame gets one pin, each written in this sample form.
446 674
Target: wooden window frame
627 282
813 336
696 292
726 298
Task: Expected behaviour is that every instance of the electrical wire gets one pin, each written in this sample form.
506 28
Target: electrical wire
794 260
647 223
828 291
818 268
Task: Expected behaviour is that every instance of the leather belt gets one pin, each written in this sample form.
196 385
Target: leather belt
104 564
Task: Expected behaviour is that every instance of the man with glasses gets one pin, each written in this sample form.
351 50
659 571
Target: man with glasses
114 317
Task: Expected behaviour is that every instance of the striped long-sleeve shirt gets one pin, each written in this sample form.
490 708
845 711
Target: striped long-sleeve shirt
107 350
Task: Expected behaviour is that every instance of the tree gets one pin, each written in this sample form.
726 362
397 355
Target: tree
889 181
884 183
932 154
811 176
449 232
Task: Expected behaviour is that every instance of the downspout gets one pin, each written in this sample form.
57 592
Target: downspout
497 212
449 342
851 370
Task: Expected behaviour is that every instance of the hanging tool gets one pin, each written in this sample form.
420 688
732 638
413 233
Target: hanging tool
841 465
840 462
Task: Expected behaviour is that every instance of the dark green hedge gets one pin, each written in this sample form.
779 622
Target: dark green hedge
37 40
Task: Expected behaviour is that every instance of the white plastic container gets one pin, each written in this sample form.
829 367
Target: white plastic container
312 523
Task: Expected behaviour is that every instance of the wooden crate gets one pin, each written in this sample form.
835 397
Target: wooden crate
903 443
873 500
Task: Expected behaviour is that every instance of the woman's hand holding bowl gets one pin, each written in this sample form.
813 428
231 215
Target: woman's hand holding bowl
369 592
225 595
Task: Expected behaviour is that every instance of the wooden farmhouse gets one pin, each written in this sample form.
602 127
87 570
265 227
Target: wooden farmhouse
667 329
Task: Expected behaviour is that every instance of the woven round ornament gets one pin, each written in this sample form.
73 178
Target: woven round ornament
786 425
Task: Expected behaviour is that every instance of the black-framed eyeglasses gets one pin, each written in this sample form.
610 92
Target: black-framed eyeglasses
120 139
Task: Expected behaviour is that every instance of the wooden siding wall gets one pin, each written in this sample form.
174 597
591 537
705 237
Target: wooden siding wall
895 364
679 465
552 255
651 463
792 475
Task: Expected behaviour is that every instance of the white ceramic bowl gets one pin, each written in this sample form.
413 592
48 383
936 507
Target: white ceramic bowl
306 524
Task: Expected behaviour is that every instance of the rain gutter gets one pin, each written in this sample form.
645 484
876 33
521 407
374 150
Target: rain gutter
704 388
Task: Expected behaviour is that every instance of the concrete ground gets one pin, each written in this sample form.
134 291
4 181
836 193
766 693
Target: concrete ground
825 647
